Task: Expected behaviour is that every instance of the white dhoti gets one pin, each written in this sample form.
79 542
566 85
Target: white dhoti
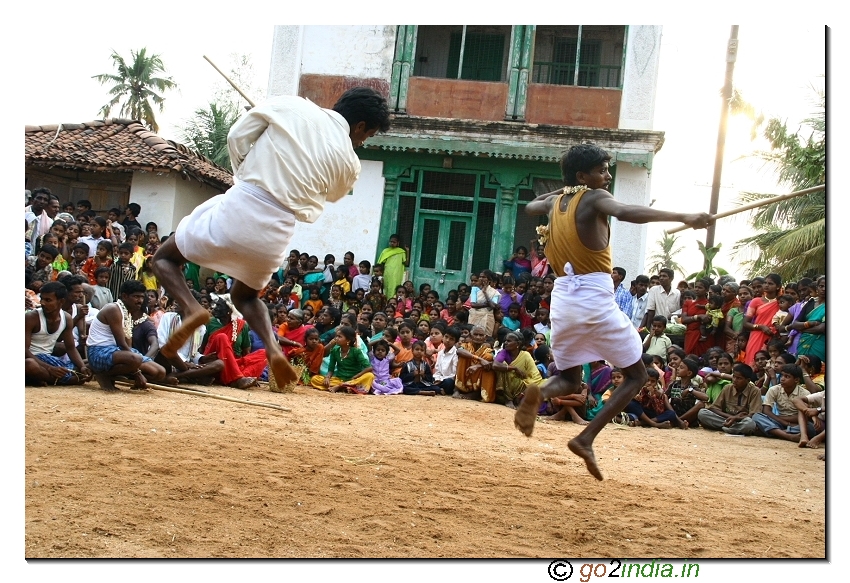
243 233
587 325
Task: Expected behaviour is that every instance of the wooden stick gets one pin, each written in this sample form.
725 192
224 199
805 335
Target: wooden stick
205 394
232 84
755 205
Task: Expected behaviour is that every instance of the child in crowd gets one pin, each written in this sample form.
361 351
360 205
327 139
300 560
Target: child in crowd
686 392
101 294
416 376
713 309
785 302
42 265
657 342
433 343
122 270
348 368
147 277
101 258
381 357
315 301
404 342
445 367
518 263
363 280
342 279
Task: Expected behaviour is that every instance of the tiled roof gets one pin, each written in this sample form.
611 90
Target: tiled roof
117 145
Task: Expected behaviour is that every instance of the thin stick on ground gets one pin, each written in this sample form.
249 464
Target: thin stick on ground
210 395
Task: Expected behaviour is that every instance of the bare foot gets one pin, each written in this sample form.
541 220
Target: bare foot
526 413
106 382
811 444
576 418
171 380
684 425
183 332
804 443
458 394
664 425
140 382
283 372
585 451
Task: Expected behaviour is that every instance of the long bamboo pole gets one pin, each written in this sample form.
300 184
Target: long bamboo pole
232 84
205 394
755 205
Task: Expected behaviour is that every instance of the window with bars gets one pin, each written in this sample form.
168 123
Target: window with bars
586 56
470 52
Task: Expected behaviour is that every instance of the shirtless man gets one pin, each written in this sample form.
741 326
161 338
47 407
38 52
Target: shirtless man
289 157
579 251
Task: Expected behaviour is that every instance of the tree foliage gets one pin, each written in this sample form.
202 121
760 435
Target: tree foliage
206 131
136 86
792 233
665 254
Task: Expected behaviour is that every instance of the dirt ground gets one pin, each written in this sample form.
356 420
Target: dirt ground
158 474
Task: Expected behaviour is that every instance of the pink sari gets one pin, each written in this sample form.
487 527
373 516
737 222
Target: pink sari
761 312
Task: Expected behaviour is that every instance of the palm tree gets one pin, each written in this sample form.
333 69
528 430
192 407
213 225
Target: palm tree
206 132
135 86
792 241
665 255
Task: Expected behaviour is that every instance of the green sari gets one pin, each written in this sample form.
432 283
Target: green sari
393 260
814 343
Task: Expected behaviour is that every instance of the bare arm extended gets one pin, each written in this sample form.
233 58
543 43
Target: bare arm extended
542 204
603 202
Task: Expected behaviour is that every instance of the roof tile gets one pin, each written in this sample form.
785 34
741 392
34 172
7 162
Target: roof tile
117 145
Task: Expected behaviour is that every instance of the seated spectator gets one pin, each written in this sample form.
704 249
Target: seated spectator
515 369
108 346
782 421
811 411
228 339
732 411
189 365
416 375
43 327
475 376
686 392
348 368
651 407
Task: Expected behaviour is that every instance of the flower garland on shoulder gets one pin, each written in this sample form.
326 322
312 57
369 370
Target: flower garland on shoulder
128 322
543 230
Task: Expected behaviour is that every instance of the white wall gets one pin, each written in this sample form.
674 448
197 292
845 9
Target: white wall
628 240
166 198
643 48
352 224
285 68
156 194
353 51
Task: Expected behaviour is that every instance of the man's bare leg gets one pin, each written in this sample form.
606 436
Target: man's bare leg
167 263
247 301
566 383
582 444
124 363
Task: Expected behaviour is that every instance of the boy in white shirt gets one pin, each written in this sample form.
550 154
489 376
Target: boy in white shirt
446 367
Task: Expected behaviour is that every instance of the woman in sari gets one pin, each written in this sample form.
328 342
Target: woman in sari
515 369
734 326
694 314
228 339
394 259
474 368
813 327
759 317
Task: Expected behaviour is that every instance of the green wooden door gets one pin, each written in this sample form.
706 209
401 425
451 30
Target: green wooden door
442 250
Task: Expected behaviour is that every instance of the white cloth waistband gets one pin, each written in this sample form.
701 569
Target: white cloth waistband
571 282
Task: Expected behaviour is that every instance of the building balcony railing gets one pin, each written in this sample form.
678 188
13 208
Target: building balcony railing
564 74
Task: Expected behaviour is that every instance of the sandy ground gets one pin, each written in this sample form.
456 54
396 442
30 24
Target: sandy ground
158 474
